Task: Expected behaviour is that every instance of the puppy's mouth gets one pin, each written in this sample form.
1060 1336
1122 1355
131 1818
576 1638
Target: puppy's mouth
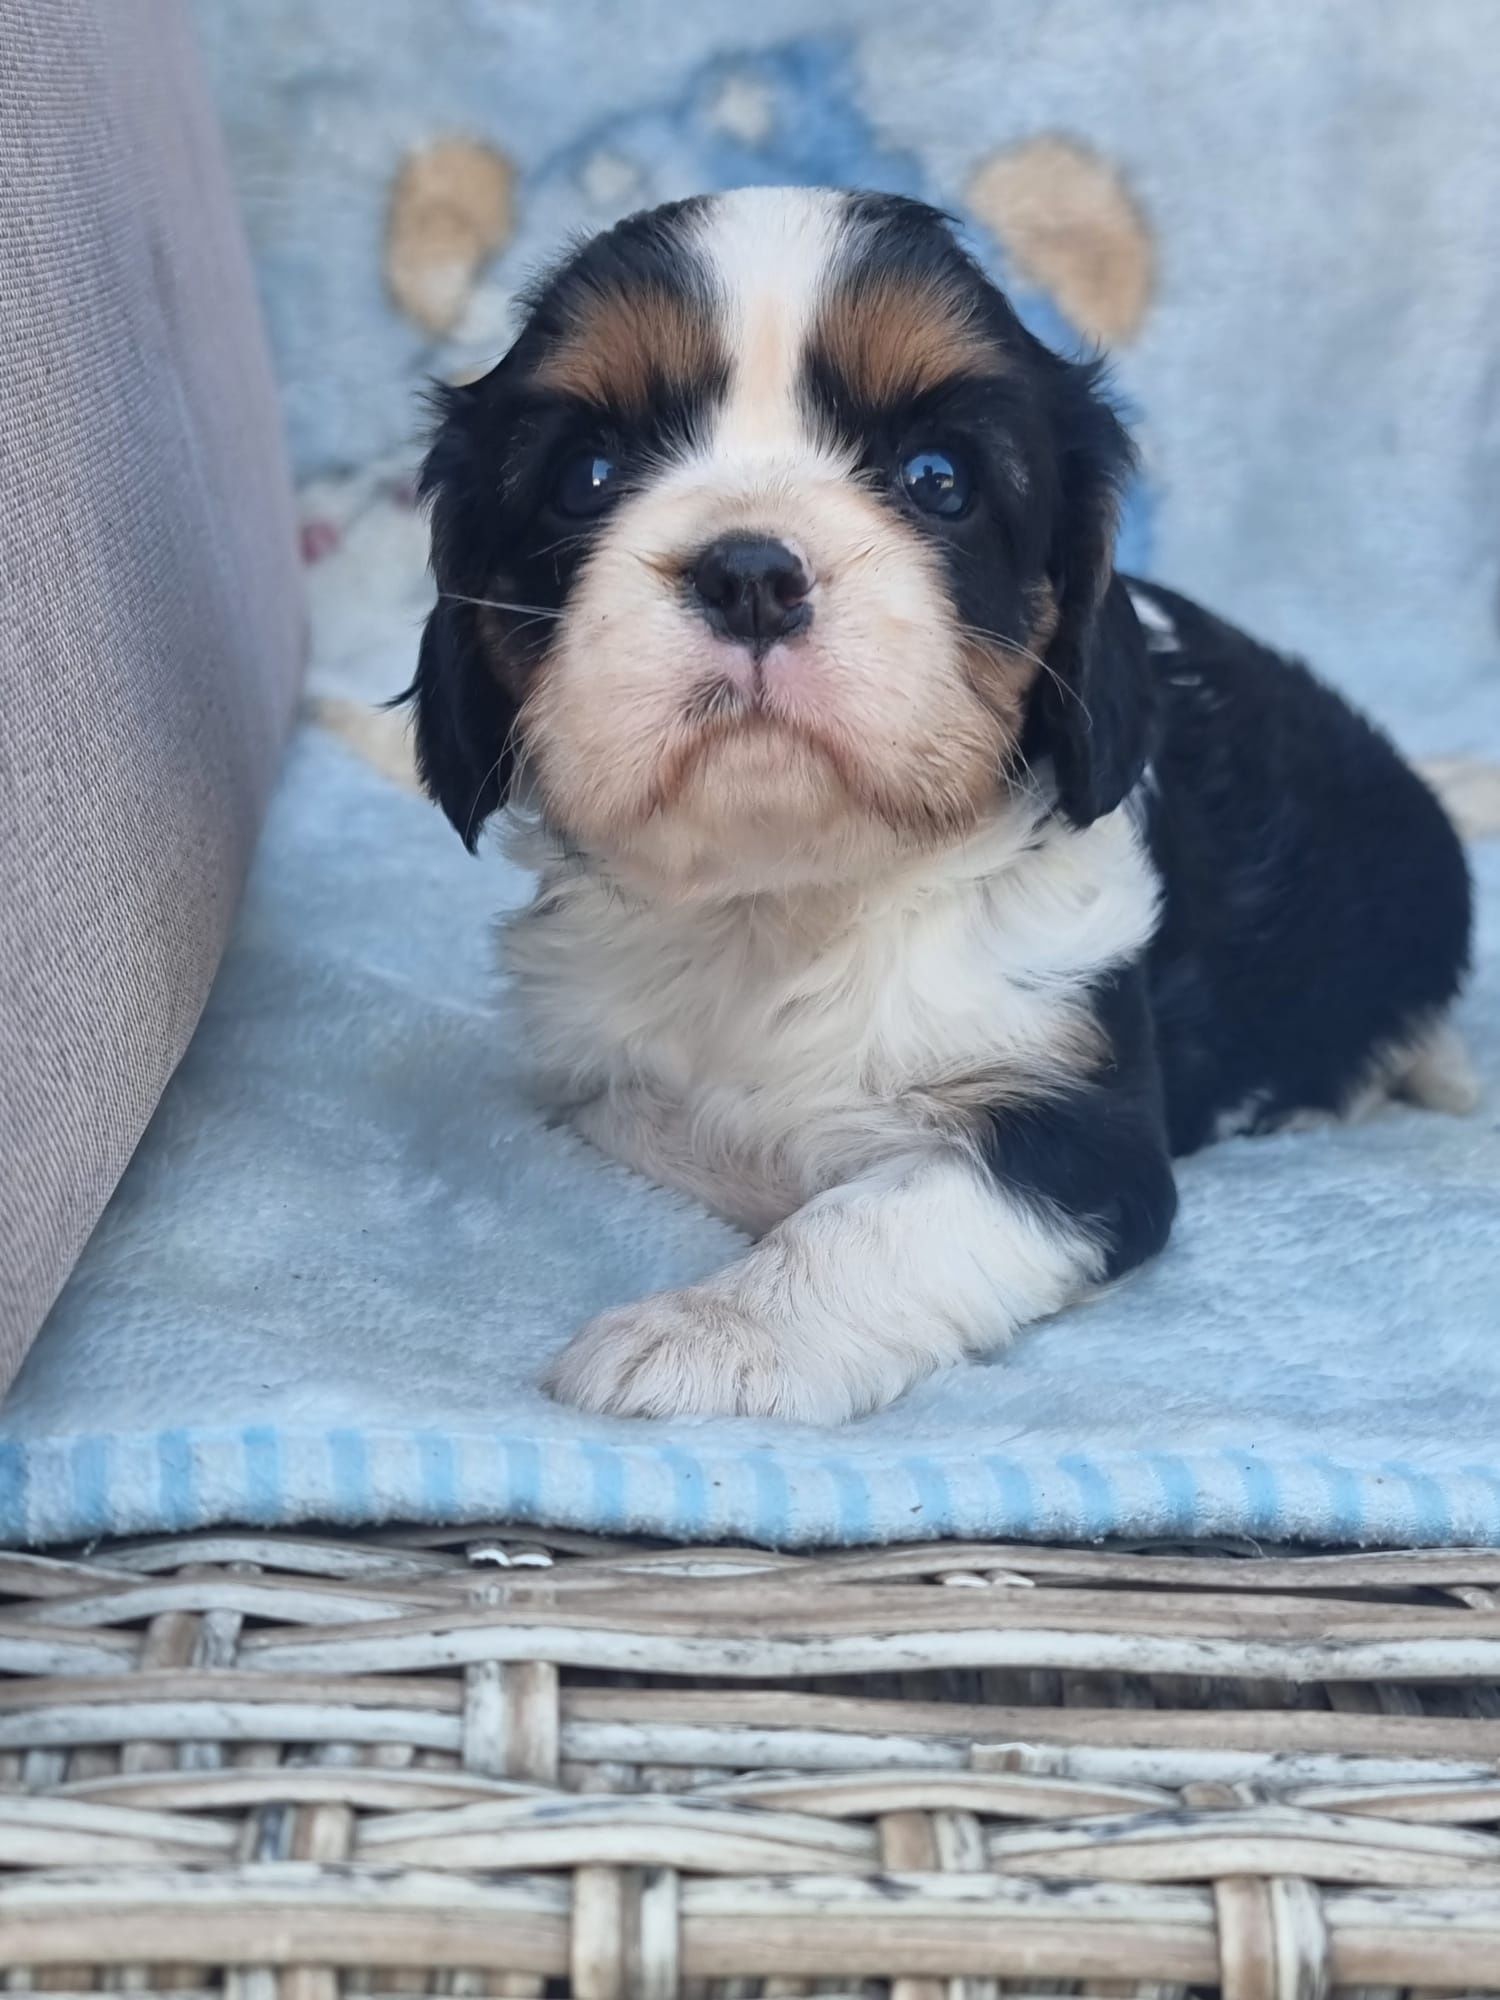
779 681
755 695
743 730
720 700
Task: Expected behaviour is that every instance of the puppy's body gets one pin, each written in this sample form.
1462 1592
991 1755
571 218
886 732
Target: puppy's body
910 887
757 1050
1316 913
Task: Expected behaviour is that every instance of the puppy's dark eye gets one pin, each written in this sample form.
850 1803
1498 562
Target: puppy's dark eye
936 481
585 484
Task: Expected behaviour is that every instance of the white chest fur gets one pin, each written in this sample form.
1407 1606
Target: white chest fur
756 1051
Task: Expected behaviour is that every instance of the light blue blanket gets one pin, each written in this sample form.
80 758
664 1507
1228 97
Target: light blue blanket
331 1277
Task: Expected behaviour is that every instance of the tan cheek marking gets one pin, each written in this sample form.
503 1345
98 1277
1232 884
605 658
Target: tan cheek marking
887 342
1001 678
1043 618
625 342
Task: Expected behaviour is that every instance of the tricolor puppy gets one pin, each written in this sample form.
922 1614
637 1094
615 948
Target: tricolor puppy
913 887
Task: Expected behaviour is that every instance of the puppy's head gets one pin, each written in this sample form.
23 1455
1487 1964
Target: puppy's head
775 548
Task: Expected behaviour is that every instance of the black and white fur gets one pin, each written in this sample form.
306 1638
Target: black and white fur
917 934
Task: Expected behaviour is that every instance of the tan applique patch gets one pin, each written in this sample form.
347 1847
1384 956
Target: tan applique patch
1000 675
451 210
1072 227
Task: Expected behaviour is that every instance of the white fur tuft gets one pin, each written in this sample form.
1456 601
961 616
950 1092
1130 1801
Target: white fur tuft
1435 1072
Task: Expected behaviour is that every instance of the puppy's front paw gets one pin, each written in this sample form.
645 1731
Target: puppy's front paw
694 1352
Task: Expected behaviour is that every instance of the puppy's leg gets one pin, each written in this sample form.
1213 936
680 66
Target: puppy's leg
923 1260
1435 1072
854 1297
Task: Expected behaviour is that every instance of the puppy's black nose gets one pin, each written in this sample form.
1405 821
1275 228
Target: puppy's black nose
752 588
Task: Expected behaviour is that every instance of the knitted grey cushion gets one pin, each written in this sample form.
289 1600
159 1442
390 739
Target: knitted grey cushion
150 617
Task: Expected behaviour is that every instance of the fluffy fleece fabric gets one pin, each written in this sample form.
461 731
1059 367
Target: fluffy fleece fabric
333 1274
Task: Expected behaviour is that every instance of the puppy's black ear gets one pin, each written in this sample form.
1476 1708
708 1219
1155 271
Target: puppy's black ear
1092 712
465 722
465 716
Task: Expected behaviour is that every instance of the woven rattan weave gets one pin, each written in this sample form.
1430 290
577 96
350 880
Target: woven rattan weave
291 1767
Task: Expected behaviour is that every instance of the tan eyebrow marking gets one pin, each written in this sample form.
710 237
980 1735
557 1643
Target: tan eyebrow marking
623 343
888 340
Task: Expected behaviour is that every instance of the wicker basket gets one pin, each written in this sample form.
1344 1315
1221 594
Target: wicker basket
479 1764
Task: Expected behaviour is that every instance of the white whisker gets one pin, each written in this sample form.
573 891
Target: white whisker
499 604
979 638
511 744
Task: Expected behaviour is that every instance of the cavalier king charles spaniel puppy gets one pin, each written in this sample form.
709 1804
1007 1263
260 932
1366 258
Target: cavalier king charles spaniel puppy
912 886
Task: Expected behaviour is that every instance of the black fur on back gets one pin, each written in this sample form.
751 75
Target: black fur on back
1317 903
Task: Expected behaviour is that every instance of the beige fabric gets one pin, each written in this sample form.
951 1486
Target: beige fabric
150 619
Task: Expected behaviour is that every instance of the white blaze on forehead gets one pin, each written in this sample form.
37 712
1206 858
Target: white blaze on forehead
771 251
